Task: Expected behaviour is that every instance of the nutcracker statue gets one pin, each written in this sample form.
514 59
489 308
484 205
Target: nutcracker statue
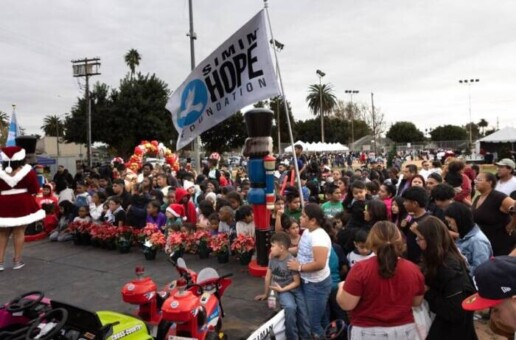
261 166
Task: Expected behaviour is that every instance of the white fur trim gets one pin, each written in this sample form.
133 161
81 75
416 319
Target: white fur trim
19 156
173 212
23 220
13 180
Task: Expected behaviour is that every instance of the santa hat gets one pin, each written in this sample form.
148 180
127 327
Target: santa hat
177 210
49 186
187 184
12 153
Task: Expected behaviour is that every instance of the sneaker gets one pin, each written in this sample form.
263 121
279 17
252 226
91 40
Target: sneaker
18 264
2 267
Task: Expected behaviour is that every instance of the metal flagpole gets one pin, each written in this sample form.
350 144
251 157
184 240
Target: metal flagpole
193 36
298 178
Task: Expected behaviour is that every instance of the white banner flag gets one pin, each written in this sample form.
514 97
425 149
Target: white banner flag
240 72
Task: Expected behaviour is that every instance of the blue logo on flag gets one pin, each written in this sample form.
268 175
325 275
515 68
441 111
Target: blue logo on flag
193 102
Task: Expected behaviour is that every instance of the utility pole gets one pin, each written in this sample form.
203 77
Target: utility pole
193 36
87 68
373 118
351 93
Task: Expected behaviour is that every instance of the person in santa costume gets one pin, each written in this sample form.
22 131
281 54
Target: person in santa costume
18 208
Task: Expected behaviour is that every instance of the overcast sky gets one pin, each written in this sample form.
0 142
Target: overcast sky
410 53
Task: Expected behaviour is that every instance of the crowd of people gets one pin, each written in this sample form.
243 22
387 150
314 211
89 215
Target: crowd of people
363 243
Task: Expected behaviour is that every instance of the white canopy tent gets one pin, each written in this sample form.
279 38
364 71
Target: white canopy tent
319 147
505 135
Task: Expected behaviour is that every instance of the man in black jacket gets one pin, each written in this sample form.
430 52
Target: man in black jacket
409 171
62 179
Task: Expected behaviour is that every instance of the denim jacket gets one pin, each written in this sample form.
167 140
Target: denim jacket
475 247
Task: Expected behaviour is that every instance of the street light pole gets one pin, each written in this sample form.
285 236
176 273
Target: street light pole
193 36
351 93
321 74
469 82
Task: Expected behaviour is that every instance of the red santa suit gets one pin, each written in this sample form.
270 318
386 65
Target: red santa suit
17 204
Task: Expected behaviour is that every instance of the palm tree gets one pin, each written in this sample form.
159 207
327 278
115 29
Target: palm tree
53 126
321 95
483 124
132 59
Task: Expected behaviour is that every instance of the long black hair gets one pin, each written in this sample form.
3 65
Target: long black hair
439 245
463 217
402 212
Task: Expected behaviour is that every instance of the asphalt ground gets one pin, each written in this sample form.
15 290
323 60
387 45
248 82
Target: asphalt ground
92 278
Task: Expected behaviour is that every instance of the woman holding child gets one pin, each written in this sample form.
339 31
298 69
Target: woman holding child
312 263
380 291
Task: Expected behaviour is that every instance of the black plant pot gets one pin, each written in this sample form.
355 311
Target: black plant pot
204 251
150 253
223 257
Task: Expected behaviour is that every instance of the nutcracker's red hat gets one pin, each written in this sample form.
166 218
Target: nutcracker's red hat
12 153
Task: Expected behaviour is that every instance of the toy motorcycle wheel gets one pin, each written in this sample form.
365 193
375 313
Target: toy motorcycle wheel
48 325
21 303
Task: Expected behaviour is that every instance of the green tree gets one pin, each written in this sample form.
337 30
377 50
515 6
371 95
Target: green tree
53 126
475 131
448 132
483 124
76 124
321 96
218 139
277 106
123 117
132 59
350 110
490 131
405 132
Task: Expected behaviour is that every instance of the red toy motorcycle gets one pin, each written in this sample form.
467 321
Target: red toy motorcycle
188 308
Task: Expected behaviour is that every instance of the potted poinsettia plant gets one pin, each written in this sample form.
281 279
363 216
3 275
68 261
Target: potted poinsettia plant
176 244
152 243
191 245
219 244
243 247
202 239
124 238
141 235
80 232
107 234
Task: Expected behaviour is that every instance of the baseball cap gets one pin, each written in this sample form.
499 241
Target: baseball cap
507 162
495 280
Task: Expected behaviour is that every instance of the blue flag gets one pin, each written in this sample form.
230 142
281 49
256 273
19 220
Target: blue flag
14 131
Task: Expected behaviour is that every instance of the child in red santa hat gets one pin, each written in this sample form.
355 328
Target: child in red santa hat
175 217
18 208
